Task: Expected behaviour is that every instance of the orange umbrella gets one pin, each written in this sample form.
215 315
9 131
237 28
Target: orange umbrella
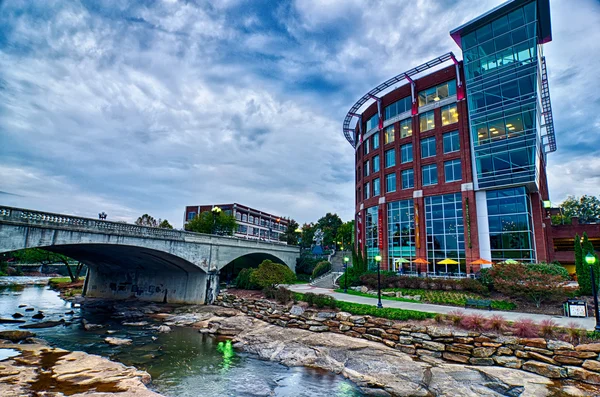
421 261
482 262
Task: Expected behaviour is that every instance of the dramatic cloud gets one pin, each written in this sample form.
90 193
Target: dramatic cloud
134 107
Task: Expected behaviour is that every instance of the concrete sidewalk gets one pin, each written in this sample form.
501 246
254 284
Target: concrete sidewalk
587 323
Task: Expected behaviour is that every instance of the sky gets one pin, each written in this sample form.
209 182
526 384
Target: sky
133 107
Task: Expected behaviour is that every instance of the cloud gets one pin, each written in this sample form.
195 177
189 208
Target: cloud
137 107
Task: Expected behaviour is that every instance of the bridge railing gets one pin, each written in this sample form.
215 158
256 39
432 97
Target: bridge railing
32 217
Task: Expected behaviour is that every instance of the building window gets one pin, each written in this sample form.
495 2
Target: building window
366 146
191 215
242 229
398 107
366 190
390 158
452 171
373 122
376 187
449 114
445 233
429 175
250 219
376 163
451 142
408 179
371 235
427 147
244 218
389 134
405 128
509 218
238 216
401 235
366 168
426 121
376 141
437 93
390 183
406 153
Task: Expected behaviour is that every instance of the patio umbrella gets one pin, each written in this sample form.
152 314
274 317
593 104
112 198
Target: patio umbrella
401 260
421 261
448 261
482 262
510 262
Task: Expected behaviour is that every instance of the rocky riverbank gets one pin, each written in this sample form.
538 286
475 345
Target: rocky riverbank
34 368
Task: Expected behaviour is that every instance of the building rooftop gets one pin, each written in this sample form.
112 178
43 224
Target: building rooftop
543 13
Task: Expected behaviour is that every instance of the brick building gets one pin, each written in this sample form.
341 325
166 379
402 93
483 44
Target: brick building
252 223
450 156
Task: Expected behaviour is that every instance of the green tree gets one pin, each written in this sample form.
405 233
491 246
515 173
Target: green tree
290 236
164 224
308 232
43 257
269 274
587 208
146 220
345 234
210 223
329 224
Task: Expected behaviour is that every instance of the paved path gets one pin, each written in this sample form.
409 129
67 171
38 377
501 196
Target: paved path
587 323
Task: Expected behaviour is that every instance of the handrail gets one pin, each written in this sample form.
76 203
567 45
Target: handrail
26 216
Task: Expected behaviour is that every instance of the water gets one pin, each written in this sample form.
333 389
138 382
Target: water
183 363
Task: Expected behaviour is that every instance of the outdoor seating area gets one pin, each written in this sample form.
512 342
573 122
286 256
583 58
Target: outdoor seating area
446 268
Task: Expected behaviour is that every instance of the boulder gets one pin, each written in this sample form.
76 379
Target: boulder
16 336
45 324
135 324
117 341
399 294
584 375
547 370
388 293
364 289
38 316
592 365
10 321
297 310
17 315
164 329
589 347
29 309
89 326
319 328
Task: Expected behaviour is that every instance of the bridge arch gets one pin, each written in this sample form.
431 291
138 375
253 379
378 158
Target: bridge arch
249 260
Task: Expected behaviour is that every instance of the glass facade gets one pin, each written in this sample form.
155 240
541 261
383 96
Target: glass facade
389 134
405 128
449 114
373 122
437 93
426 121
398 107
427 147
390 158
406 153
367 195
376 163
371 236
376 187
376 140
452 171
510 223
501 66
401 235
445 233
430 176
408 179
390 183
451 142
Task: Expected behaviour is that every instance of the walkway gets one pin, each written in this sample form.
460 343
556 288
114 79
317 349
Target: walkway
587 323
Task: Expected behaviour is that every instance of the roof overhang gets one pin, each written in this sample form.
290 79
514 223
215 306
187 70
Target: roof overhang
543 12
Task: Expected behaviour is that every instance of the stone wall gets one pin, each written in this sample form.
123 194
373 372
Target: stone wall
549 358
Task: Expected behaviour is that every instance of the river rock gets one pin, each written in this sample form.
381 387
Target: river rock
29 309
10 321
164 329
17 315
38 316
45 324
89 326
364 289
135 324
297 310
21 306
16 336
379 370
117 341
70 312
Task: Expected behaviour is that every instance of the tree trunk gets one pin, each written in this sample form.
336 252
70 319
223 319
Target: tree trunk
73 278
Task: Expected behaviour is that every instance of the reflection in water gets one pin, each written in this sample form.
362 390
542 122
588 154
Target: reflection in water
183 363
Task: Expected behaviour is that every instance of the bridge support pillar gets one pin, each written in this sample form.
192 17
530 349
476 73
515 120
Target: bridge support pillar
153 286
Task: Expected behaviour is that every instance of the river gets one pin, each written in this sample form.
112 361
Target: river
183 363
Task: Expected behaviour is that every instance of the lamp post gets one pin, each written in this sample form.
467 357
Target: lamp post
346 259
590 259
215 211
378 260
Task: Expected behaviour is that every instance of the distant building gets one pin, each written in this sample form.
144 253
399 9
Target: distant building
252 223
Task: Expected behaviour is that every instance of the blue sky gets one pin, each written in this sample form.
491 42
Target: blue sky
145 107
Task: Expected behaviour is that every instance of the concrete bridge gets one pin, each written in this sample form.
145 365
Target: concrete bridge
130 261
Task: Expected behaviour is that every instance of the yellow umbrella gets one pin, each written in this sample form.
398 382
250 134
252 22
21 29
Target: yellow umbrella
448 261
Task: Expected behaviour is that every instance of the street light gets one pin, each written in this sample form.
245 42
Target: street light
590 259
378 260
346 259
215 211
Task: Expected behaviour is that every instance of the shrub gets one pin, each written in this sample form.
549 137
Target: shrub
503 305
352 277
525 328
548 328
550 268
309 298
242 280
321 268
306 264
574 333
471 285
283 295
322 300
496 323
484 278
389 313
269 274
456 317
473 322
269 292
523 281
439 318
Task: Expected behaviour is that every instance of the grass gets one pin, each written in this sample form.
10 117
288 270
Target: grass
62 280
453 298
389 313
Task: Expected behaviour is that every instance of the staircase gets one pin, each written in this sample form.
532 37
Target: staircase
328 280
